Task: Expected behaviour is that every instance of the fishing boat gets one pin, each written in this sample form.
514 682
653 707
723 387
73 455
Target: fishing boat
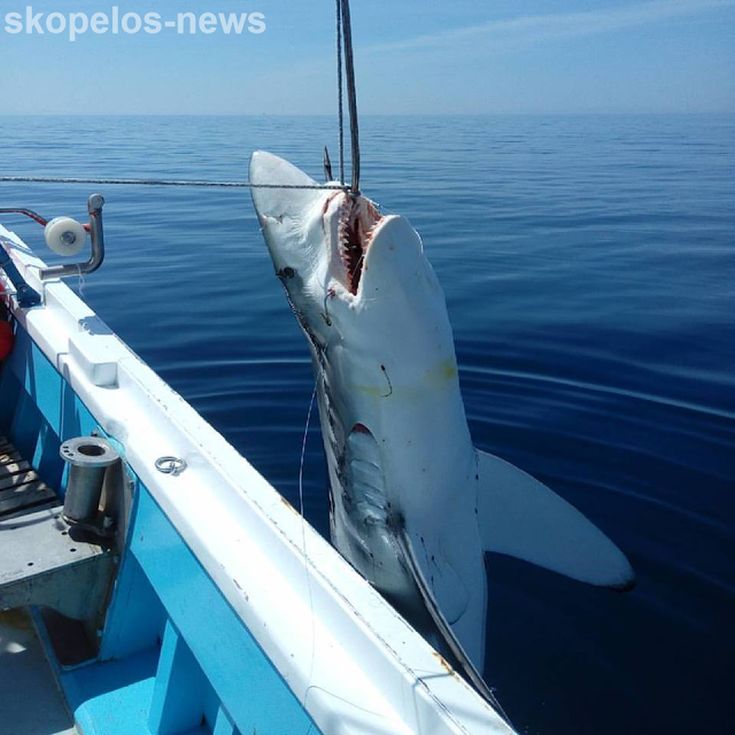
150 573
151 580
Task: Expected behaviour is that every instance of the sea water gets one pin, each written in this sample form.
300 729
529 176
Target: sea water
589 269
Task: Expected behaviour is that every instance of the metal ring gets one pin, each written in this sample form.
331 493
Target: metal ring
170 465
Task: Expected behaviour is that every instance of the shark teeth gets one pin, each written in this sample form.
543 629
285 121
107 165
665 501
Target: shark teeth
358 220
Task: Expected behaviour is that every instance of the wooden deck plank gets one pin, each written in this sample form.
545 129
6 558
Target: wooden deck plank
20 487
24 496
21 478
6 470
23 487
22 512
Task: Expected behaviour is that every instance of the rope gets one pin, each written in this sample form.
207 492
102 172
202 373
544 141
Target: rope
165 182
26 212
351 95
340 95
303 542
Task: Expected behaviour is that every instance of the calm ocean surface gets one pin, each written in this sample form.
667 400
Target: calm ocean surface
589 269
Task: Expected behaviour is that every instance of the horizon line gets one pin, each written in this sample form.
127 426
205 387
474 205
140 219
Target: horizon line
499 113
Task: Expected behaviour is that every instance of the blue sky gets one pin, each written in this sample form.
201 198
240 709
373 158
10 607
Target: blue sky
413 56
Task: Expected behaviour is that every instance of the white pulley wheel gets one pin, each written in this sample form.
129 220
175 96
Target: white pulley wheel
65 236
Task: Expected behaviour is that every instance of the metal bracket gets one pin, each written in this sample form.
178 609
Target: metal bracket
46 564
26 296
94 207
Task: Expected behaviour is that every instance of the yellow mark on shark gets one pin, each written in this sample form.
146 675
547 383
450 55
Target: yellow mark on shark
433 378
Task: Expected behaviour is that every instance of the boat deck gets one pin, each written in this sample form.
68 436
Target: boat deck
33 704
33 543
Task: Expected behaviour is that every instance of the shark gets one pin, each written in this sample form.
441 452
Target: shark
414 506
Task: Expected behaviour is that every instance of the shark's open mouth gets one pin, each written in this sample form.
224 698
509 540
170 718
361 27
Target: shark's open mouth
357 223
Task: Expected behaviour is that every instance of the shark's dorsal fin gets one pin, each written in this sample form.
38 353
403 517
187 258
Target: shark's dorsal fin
521 517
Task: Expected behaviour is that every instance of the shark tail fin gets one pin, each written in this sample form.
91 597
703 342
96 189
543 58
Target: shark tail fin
519 516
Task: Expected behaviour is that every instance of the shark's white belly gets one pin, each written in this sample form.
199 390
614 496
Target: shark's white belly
404 464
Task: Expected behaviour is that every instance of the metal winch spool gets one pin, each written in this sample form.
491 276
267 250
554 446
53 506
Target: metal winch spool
88 458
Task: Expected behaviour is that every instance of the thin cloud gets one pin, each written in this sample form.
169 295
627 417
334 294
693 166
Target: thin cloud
530 28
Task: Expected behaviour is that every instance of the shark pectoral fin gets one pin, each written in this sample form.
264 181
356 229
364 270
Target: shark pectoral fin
447 585
417 563
521 517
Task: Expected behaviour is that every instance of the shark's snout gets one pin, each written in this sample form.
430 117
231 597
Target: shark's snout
321 233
